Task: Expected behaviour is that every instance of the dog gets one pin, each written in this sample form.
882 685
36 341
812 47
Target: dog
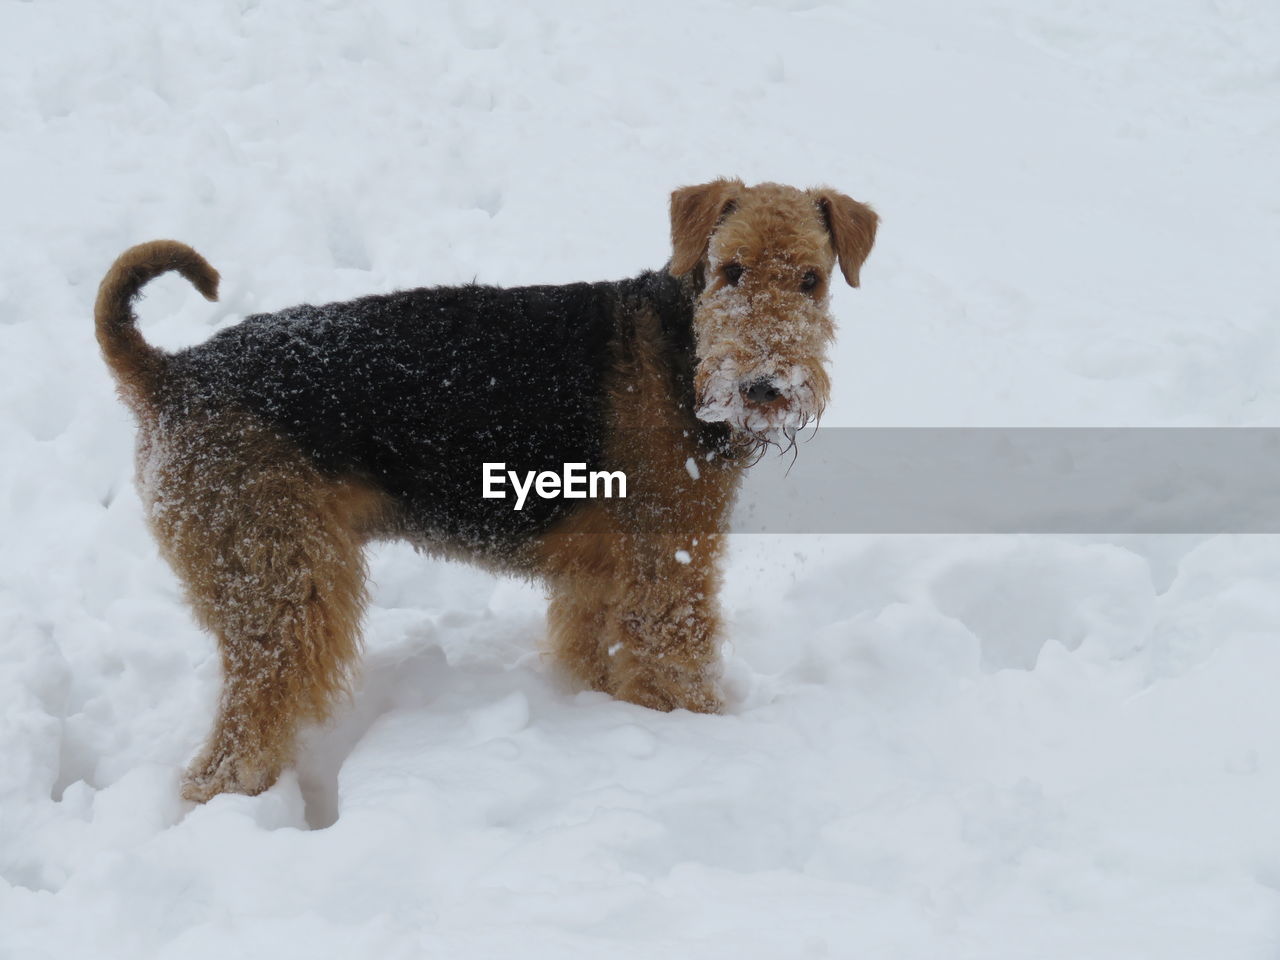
268 456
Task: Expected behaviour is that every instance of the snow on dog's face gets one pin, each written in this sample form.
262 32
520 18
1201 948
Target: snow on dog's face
762 321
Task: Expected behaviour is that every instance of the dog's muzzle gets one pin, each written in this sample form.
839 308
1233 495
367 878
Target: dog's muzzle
760 393
768 407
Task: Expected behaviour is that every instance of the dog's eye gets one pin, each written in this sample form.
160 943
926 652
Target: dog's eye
733 273
809 281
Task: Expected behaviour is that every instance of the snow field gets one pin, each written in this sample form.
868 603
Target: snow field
938 746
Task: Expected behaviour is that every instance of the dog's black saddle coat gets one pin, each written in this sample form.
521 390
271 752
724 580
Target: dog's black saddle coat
414 391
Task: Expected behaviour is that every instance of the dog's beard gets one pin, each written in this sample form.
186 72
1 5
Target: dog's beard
721 400
787 353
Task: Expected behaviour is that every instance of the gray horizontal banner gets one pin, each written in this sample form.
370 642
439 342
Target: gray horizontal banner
1033 480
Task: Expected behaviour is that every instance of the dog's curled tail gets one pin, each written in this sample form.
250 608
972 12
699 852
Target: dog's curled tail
137 365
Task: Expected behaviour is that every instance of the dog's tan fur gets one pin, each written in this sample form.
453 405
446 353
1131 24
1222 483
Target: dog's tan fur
137 365
270 555
270 550
627 616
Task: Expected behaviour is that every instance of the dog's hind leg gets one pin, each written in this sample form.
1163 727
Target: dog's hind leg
269 552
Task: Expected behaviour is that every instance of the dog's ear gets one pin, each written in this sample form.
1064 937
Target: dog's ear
852 226
695 213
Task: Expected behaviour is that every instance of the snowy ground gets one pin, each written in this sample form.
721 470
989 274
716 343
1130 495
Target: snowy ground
1049 747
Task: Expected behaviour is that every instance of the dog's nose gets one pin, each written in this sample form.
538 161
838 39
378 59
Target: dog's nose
761 392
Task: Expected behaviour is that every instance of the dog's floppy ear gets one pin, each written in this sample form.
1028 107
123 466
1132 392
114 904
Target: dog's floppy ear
852 226
695 212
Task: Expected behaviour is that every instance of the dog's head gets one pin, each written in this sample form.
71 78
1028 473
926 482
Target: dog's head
764 258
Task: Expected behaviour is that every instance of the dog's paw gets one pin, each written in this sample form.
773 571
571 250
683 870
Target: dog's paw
226 773
668 693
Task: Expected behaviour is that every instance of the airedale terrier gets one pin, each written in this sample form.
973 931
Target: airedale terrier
270 454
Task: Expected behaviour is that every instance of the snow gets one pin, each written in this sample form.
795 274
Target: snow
962 746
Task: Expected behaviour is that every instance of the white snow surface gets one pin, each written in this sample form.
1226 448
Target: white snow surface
936 747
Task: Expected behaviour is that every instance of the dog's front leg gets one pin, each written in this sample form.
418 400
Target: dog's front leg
663 629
